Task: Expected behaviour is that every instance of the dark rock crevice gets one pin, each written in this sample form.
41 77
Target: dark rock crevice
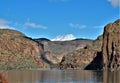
96 64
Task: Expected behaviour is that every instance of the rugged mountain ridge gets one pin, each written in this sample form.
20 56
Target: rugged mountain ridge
103 53
111 46
55 50
18 51
85 58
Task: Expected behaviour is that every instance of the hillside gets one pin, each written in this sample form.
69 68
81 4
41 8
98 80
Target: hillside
103 53
17 51
55 50
84 58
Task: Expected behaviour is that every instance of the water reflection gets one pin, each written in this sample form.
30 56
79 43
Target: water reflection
111 77
3 78
63 76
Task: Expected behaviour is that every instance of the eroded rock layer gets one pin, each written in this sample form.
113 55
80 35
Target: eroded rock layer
111 46
18 51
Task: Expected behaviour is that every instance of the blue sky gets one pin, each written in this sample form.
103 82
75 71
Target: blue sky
51 18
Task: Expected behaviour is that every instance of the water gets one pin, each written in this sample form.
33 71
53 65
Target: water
63 76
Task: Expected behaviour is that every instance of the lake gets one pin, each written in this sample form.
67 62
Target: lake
63 76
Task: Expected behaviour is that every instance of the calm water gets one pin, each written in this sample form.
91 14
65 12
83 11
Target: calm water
63 76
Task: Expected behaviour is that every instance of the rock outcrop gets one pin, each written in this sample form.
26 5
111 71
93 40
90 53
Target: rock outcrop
55 50
103 53
88 58
18 51
111 46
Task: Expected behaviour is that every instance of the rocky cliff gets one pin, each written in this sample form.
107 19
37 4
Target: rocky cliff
111 46
103 53
18 51
55 50
88 57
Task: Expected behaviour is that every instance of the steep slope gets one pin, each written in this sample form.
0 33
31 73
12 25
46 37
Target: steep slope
55 50
103 53
111 46
85 58
18 51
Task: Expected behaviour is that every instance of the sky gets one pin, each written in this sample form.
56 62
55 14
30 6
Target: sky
54 19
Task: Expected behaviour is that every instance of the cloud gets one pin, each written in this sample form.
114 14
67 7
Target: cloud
4 24
77 26
6 27
58 0
115 3
100 26
64 37
34 25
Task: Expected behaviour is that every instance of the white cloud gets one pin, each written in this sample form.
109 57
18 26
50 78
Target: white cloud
115 3
100 26
77 26
6 27
4 24
34 25
66 37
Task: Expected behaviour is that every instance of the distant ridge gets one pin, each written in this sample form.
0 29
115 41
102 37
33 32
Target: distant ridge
42 39
103 53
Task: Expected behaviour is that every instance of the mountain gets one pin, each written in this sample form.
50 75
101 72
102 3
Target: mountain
17 51
55 50
84 58
103 53
111 46
42 39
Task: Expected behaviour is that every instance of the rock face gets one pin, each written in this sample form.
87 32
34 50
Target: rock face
103 53
55 50
88 57
18 51
111 46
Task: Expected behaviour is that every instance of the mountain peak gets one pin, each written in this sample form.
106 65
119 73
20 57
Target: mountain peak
66 37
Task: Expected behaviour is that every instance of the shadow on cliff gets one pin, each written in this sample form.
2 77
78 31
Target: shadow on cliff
96 64
46 60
